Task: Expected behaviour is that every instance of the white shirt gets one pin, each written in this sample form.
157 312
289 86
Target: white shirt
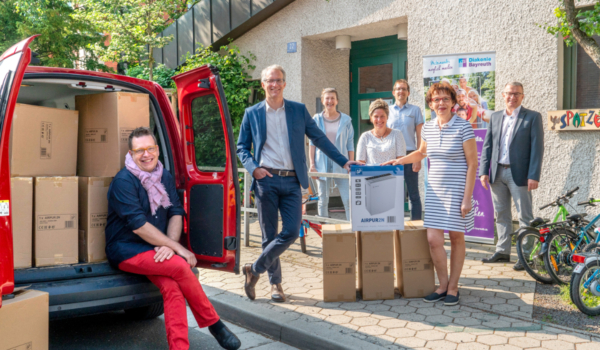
508 125
276 152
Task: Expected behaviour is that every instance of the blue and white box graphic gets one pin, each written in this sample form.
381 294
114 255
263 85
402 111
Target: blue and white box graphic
377 197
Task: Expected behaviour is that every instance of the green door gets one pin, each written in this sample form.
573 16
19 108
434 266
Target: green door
375 65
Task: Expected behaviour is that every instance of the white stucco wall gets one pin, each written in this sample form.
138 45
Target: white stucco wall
524 52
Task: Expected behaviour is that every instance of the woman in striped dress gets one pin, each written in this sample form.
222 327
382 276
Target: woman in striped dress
449 142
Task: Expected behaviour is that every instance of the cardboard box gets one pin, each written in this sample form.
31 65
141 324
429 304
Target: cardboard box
43 141
21 194
55 218
105 122
415 276
93 211
339 263
375 264
377 198
25 321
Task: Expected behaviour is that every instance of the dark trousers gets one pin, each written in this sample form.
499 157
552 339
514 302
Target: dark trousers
273 194
412 184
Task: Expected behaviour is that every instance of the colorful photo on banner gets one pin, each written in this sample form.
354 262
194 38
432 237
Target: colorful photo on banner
473 78
472 75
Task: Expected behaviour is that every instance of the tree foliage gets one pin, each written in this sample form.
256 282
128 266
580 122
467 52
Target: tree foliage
63 32
233 67
9 17
162 74
578 26
133 26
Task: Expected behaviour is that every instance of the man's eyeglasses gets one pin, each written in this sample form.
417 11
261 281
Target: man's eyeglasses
140 151
512 94
437 101
274 81
400 89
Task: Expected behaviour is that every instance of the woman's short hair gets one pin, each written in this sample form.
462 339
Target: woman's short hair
441 88
329 91
139 132
379 104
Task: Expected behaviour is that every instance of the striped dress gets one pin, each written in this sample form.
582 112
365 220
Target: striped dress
447 174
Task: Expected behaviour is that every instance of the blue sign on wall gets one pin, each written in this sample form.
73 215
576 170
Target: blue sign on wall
291 47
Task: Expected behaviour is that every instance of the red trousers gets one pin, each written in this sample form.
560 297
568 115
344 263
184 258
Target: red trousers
177 283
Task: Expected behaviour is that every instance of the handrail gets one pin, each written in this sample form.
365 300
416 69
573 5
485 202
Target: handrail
245 209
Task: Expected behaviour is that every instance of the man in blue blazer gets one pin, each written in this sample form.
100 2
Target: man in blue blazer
275 128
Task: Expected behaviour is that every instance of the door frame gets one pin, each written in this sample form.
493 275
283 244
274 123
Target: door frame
373 52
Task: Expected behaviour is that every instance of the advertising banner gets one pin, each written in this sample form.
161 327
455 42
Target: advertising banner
472 75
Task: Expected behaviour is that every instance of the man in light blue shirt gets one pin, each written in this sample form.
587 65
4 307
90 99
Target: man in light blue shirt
408 119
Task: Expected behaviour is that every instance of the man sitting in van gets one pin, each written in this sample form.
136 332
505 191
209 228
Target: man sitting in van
145 220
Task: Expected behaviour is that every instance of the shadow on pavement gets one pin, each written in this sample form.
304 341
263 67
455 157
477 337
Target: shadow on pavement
115 331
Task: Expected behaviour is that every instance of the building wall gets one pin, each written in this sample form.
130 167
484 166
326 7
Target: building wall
524 52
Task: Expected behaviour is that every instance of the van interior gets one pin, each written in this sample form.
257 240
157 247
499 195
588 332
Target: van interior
60 93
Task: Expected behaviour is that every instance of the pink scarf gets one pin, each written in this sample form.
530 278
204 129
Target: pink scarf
151 181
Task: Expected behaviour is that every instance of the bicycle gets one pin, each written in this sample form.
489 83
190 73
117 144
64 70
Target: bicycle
585 282
563 243
530 239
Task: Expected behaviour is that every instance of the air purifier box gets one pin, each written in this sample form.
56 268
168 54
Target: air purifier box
377 198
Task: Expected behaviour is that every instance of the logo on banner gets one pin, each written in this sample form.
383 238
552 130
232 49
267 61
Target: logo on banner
462 62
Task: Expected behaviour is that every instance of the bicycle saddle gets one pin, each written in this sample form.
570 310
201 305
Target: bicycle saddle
575 217
537 221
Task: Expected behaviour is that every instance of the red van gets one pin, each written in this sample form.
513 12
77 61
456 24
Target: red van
198 150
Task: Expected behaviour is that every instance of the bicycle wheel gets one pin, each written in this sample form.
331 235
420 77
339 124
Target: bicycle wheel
558 257
587 299
529 250
592 248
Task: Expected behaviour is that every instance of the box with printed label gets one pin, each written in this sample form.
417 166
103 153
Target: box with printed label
24 321
43 141
21 194
375 264
93 211
377 197
415 276
105 122
55 216
339 263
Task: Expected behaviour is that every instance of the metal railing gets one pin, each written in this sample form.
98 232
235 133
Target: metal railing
246 209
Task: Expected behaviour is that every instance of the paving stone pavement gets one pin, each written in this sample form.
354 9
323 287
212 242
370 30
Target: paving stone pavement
495 311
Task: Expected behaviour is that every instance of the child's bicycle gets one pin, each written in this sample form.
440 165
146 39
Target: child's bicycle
305 225
562 245
585 282
530 239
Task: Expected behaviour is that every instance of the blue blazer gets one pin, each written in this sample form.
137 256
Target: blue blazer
253 133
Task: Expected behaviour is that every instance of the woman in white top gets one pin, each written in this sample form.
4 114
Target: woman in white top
380 144
337 126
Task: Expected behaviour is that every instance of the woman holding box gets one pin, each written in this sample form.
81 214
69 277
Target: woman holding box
338 128
449 142
381 144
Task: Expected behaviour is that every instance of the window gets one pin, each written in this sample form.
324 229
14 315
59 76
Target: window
209 136
581 79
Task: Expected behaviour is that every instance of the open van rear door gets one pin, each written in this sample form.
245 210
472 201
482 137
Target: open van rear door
12 68
212 193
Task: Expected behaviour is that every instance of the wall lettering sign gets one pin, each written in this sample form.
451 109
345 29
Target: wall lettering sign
574 120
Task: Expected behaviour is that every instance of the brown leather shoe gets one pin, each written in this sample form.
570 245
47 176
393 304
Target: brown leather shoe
250 281
277 293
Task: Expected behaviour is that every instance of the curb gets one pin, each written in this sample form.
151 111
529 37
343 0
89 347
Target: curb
288 327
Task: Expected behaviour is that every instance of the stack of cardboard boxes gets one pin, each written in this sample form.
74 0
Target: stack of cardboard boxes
377 241
62 163
373 256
